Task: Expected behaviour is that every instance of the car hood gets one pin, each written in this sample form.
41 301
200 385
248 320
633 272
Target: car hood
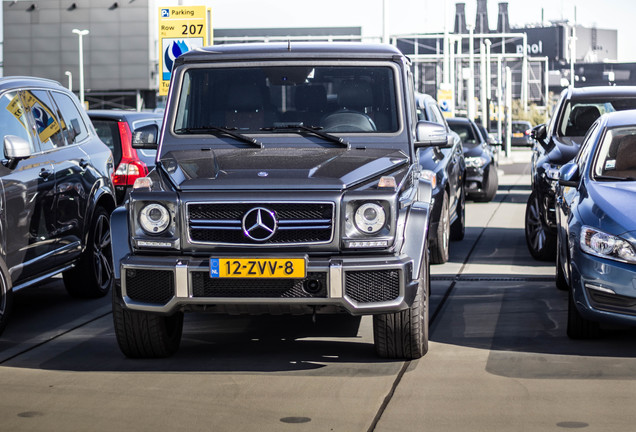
473 150
609 208
278 168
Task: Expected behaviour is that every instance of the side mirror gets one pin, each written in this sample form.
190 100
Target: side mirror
539 132
430 134
146 137
15 149
569 175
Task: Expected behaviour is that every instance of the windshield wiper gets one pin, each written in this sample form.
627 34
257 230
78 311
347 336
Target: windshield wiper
614 178
215 130
315 130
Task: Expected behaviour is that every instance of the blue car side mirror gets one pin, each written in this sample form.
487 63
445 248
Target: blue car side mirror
569 175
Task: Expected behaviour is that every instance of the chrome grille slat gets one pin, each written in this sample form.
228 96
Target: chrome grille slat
298 223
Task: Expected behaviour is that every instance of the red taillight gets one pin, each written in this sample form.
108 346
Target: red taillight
130 167
527 132
128 171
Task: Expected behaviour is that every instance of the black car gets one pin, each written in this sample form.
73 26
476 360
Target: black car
482 179
557 143
116 129
56 192
444 166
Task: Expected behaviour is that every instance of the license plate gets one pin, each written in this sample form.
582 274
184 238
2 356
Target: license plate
517 135
257 268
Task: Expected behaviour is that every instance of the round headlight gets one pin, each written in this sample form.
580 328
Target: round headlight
370 218
154 218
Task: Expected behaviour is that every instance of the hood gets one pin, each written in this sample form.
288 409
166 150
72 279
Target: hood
278 168
609 206
474 150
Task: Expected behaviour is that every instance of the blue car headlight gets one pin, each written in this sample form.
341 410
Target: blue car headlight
604 245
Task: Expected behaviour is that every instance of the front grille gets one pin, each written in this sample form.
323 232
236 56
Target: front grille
298 223
372 286
205 286
150 286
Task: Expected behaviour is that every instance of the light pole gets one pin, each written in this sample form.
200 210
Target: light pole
70 80
81 33
471 66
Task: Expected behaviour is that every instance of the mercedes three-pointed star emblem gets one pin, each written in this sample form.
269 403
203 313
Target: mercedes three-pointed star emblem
259 224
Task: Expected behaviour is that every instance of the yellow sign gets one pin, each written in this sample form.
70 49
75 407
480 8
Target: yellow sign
45 121
181 29
446 100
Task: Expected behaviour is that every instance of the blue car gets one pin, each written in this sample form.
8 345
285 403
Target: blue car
596 227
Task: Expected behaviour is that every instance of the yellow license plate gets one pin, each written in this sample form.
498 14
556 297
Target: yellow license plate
518 135
257 268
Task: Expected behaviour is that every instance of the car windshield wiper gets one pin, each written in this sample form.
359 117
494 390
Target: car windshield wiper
614 178
215 130
315 130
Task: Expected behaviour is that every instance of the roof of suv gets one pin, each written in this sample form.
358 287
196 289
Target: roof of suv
292 50
27 81
600 92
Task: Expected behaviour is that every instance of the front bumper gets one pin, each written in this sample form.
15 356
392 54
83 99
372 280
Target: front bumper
604 290
360 285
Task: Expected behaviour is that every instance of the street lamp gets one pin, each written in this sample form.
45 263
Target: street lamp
70 80
81 33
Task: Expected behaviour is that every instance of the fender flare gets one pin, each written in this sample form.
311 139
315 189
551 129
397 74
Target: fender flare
416 227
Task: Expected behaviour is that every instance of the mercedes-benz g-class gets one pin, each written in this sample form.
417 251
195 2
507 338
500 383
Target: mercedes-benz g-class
286 182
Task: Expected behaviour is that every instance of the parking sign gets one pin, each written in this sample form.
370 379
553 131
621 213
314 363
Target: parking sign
181 29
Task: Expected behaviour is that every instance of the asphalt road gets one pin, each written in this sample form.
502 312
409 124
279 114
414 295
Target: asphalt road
499 359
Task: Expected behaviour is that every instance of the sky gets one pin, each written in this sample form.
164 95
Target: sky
423 16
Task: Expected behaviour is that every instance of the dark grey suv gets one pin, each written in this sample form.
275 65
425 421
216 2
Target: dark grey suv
287 182
55 192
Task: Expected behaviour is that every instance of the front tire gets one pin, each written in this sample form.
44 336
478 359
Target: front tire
404 334
93 275
560 279
146 334
458 228
541 243
440 239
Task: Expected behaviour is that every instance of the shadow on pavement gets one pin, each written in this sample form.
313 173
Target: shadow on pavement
523 325
220 343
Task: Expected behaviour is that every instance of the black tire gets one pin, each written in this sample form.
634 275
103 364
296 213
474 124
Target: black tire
93 275
490 186
560 279
146 334
579 327
541 242
6 296
458 228
440 238
404 335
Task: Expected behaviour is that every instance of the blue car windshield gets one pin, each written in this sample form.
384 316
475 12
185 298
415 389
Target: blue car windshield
278 99
616 156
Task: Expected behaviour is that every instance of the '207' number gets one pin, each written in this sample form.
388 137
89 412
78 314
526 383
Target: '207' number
192 29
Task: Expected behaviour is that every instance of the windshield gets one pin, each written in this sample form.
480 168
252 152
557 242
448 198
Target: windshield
579 115
266 99
616 156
